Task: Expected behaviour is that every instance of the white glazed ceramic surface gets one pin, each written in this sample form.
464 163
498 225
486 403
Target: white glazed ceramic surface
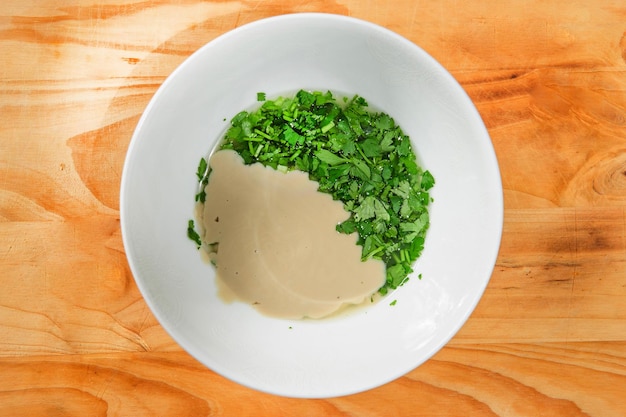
182 123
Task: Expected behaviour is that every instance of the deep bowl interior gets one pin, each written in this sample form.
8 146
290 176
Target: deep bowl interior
278 56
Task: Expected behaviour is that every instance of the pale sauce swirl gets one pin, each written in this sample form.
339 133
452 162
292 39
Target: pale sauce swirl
272 238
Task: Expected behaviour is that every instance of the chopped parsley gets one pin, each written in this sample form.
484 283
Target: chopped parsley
359 157
192 234
203 178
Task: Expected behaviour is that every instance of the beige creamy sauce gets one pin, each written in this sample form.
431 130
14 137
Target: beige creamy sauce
277 248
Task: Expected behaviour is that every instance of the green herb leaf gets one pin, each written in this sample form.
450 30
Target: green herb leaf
428 181
329 157
202 168
371 148
291 136
192 234
395 275
201 196
363 169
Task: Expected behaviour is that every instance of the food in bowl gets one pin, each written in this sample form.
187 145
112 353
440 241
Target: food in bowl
347 353
289 250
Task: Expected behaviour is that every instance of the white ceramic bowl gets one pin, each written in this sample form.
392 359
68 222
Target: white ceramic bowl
187 116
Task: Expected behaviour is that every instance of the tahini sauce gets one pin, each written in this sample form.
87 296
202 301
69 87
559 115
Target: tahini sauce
277 248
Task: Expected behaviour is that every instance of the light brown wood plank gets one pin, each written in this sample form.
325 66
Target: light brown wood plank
501 379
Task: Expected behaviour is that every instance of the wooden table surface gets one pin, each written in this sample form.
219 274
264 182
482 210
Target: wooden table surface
547 339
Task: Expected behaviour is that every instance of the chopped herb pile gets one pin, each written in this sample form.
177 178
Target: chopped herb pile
359 157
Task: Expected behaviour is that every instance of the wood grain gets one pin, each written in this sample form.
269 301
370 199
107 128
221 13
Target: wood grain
548 337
